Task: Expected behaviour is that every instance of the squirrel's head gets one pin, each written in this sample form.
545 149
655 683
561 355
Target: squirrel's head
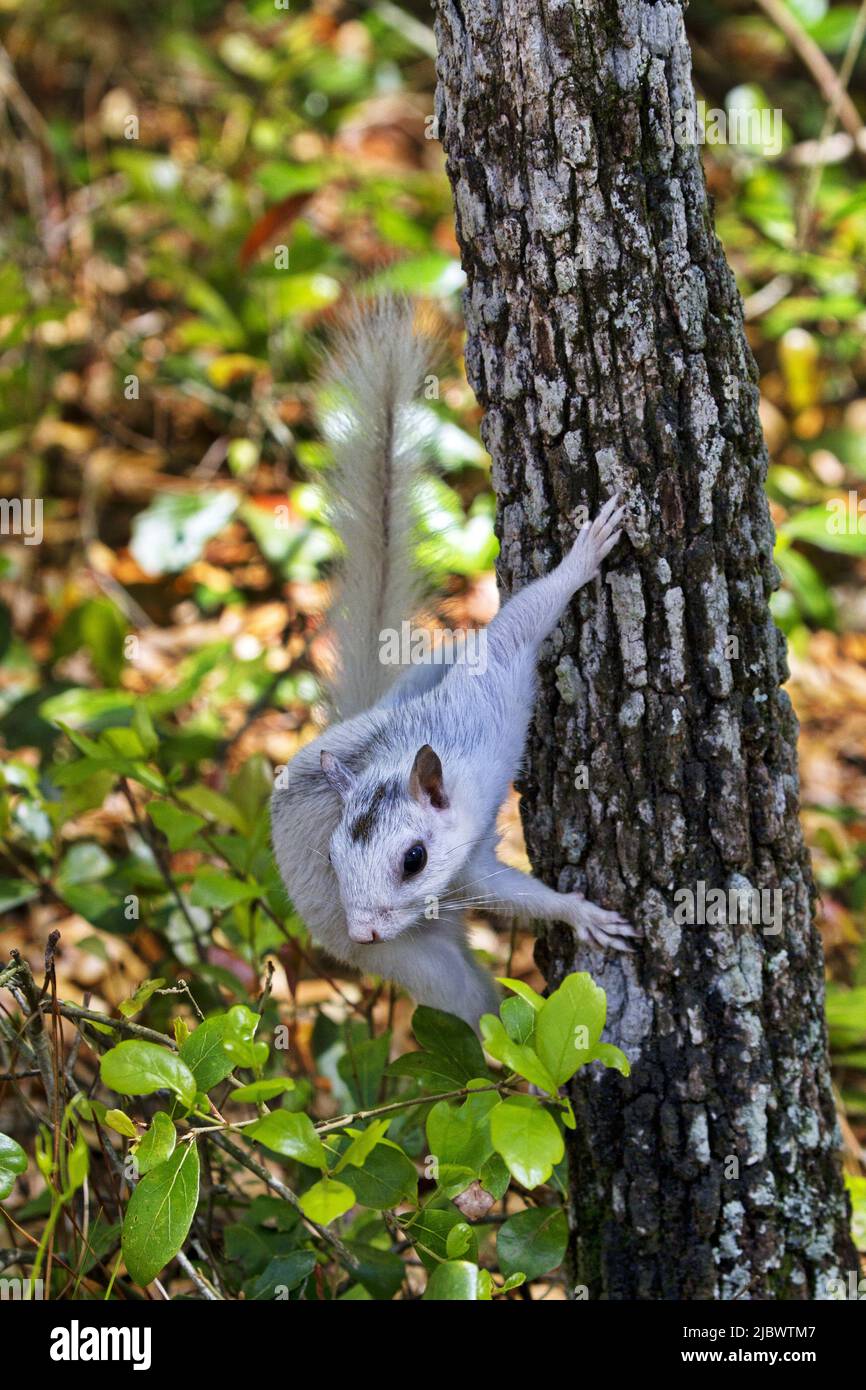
398 846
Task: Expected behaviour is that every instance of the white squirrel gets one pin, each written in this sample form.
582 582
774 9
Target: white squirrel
394 808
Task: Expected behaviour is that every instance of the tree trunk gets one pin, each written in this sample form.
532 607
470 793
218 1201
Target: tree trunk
606 345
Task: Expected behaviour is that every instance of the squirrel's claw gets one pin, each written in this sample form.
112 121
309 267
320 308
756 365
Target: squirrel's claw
600 927
597 538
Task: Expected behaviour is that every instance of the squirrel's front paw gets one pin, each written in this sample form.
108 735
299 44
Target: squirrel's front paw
597 538
598 926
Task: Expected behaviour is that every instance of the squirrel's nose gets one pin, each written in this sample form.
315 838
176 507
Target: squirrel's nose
361 929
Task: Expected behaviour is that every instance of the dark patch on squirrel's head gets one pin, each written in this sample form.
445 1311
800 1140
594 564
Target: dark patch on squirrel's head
394 845
362 826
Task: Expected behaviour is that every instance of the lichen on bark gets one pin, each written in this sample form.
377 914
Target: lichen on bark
605 342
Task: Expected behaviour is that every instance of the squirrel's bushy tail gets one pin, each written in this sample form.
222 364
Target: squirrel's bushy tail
373 382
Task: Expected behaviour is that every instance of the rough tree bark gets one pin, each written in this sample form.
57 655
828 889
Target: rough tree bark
606 344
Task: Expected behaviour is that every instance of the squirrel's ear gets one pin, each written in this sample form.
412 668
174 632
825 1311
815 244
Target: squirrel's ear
425 780
337 774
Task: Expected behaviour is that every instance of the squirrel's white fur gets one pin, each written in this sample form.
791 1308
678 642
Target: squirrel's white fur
427 761
372 385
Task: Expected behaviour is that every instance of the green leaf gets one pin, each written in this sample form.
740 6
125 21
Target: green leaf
460 1239
434 274
160 1213
533 1242
566 1109
121 741
263 1090
136 1068
520 1058
455 1280
856 1185
77 1165
831 525
241 1025
611 1057
83 863
569 1026
251 788
292 1135
513 1283
363 1143
100 1241
437 1073
450 1040
212 804
379 1271
92 1111
280 178
525 991
99 904
14 892
429 1231
282 1274
518 1016
361 1068
495 1177
179 827
528 1139
846 1016
807 586
157 1144
326 1200
100 628
251 1247
459 1139
387 1178
214 888
13 1160
143 728
205 1054
119 1121
80 706
130 1007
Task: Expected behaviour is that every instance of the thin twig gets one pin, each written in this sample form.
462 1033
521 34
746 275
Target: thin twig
75 1014
346 1258
343 1120
34 1026
147 830
202 1284
821 69
327 1126
816 173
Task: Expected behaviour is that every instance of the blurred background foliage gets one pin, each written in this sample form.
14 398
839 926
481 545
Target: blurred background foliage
189 190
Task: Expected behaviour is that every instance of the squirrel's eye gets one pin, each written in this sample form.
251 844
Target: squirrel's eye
414 860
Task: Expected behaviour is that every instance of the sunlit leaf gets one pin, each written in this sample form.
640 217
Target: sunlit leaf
135 1068
160 1213
528 1139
